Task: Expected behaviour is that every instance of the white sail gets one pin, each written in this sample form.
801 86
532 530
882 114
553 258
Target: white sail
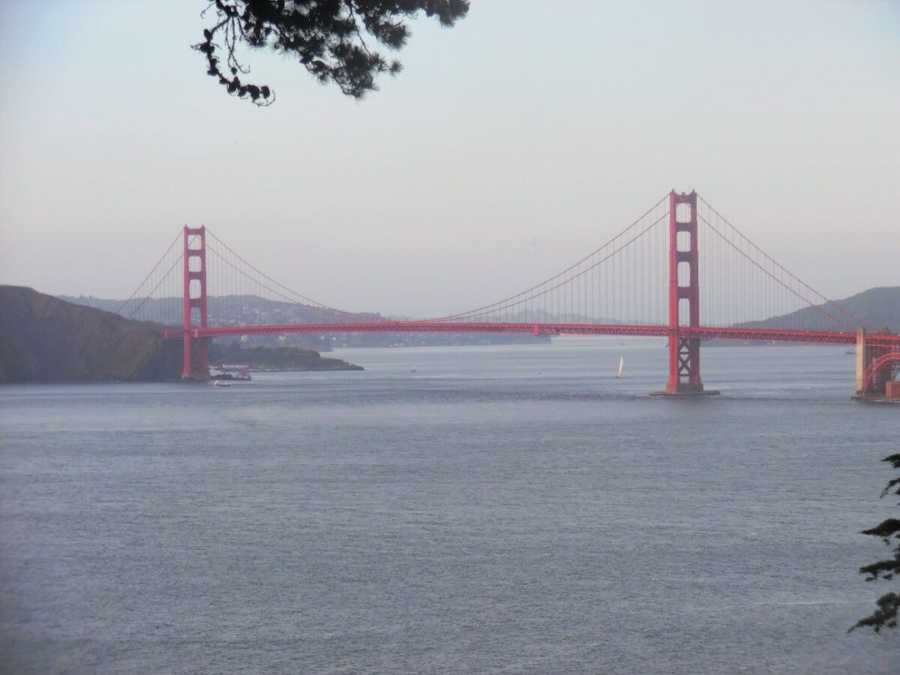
621 366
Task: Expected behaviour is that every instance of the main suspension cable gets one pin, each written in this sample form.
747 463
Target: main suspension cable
781 267
159 262
506 301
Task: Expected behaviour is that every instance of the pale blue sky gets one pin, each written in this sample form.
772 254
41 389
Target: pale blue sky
509 146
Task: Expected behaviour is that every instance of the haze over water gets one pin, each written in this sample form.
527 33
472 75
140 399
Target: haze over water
496 509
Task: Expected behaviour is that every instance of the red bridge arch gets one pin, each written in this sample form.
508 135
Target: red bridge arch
884 363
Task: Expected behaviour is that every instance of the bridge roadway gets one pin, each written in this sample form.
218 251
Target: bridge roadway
639 330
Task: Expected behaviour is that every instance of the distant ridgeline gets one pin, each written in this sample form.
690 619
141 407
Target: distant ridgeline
252 309
875 309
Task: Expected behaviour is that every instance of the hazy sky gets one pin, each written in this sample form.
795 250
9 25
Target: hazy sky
508 147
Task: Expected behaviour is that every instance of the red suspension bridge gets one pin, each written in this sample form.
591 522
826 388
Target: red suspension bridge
645 281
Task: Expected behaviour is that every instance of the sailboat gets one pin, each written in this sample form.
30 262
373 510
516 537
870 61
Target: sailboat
621 366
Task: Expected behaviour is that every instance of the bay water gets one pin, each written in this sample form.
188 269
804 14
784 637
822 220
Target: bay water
497 509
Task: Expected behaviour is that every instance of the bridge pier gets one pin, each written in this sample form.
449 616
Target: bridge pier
684 299
195 359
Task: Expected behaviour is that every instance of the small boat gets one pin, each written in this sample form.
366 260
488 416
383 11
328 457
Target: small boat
621 366
221 383
236 373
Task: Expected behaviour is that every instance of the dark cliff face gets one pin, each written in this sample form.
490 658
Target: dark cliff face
44 339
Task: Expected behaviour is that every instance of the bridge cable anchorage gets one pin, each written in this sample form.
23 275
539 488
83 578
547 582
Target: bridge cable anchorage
851 319
521 297
121 306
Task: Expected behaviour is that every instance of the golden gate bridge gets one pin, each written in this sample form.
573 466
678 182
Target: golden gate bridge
644 281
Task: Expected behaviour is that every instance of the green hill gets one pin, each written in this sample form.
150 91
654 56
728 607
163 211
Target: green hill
44 339
875 309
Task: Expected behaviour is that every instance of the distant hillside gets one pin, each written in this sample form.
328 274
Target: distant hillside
228 309
252 309
44 339
876 309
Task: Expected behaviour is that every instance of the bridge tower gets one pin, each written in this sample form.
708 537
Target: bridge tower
684 297
195 359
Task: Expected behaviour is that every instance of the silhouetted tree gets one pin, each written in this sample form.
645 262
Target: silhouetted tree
328 37
889 531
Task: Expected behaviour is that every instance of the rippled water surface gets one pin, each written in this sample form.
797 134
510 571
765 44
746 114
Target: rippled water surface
496 509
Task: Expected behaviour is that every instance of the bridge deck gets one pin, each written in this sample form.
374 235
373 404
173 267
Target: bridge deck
639 330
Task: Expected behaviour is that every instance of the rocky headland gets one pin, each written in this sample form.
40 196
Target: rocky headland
45 339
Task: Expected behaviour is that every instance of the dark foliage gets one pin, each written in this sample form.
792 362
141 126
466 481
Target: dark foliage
275 358
328 37
889 530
